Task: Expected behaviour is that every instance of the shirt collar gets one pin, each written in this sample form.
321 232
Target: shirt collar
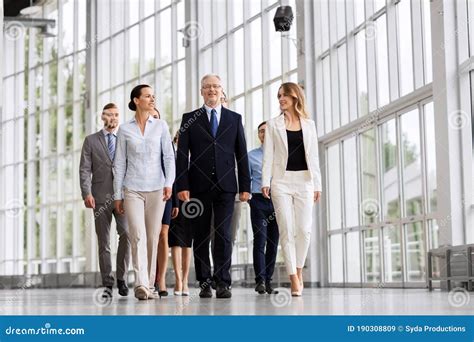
106 132
209 109
150 119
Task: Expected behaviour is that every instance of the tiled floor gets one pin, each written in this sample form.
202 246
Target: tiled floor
323 301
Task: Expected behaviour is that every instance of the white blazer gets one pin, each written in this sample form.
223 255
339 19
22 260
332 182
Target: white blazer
275 151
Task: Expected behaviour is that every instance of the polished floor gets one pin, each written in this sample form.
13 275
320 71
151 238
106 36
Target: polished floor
321 301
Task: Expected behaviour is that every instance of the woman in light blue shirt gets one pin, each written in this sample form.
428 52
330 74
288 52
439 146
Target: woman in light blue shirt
140 187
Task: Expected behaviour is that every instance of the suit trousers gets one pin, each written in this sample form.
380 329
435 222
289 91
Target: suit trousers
265 237
103 213
144 212
221 204
293 199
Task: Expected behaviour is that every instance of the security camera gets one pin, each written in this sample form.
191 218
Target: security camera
283 19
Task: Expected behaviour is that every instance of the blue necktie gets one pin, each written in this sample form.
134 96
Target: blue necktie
213 123
111 145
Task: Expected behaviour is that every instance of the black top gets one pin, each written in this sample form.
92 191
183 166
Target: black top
296 155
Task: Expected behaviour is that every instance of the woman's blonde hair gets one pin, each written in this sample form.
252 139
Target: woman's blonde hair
299 102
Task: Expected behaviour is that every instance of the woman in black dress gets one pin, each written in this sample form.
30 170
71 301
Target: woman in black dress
180 239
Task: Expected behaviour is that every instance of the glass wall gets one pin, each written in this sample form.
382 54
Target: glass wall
143 44
381 170
42 128
371 55
395 179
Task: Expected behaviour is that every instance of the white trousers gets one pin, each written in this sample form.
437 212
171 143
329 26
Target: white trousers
293 200
144 213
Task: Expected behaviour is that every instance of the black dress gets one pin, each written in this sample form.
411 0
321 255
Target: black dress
180 233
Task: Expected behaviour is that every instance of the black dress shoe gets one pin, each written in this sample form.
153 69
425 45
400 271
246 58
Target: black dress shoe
206 292
122 288
223 291
107 292
270 289
260 288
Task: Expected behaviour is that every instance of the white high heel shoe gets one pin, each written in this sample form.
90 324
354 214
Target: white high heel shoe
296 293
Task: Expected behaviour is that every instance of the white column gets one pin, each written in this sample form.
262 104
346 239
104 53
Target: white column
192 62
306 76
448 138
2 215
465 35
91 83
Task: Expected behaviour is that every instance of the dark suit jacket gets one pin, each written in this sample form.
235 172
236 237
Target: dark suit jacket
198 152
95 169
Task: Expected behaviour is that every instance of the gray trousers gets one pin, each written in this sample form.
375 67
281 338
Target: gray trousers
103 213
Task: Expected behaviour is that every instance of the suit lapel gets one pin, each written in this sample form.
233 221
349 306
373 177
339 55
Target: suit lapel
224 122
205 124
306 132
101 138
281 128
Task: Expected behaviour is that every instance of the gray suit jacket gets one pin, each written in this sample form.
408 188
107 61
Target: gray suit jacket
95 169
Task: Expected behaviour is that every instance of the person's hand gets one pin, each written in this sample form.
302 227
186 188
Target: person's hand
118 204
166 193
317 196
266 192
183 195
174 213
89 202
244 196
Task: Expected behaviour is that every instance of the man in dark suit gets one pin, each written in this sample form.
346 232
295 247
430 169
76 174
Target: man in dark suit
96 178
211 141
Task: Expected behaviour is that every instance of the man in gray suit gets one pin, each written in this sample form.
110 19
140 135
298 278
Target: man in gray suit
96 177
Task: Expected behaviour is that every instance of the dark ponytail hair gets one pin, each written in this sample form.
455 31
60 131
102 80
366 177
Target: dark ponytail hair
136 92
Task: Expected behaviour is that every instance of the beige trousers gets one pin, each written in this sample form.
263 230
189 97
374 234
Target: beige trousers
144 212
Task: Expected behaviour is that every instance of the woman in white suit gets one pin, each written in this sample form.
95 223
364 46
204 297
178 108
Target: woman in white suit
291 170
